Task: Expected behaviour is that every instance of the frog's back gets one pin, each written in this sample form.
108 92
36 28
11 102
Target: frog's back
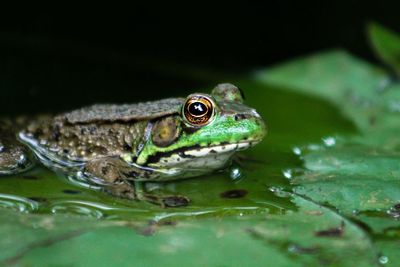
96 131
123 113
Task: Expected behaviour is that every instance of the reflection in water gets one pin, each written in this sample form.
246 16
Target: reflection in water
17 203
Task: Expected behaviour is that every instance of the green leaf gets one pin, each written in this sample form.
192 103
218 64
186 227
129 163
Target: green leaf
359 173
313 235
356 172
386 45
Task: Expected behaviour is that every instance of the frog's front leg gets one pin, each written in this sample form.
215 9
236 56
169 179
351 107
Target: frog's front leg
14 157
118 179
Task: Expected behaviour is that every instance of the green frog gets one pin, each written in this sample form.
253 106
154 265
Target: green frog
117 147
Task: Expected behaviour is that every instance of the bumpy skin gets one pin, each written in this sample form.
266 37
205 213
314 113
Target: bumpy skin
113 145
13 155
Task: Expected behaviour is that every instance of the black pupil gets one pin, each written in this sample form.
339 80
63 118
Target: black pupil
197 109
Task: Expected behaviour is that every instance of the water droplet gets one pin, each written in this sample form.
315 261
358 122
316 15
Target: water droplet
355 212
278 191
235 173
17 203
329 141
287 173
383 259
394 211
297 151
291 173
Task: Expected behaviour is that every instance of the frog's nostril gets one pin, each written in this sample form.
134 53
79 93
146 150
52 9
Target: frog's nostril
239 117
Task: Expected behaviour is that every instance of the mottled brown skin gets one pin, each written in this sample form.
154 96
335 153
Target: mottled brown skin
12 154
165 131
87 141
124 113
228 91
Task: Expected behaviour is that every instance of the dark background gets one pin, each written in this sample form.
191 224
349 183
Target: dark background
57 61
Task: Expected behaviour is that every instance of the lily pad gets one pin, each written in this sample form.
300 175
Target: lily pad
312 235
354 173
358 172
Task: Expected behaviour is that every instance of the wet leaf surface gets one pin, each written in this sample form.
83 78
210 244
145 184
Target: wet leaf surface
357 173
279 240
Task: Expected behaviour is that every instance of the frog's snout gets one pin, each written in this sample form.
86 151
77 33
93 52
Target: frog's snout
260 126
251 125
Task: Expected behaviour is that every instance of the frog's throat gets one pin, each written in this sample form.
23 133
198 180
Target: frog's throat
187 154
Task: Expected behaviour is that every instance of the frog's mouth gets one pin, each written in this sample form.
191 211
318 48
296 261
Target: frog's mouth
214 155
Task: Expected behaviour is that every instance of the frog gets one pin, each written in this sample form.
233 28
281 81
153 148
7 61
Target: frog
116 148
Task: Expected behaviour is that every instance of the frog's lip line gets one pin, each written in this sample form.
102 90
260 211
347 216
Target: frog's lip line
221 148
197 151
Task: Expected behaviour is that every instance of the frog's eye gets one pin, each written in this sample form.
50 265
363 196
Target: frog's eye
198 110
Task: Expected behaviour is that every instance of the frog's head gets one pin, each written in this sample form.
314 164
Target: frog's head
205 133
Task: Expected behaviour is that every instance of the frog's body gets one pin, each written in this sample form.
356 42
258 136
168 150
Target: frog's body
113 145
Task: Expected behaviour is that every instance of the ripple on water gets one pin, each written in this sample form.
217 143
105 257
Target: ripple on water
80 179
83 208
18 203
93 209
